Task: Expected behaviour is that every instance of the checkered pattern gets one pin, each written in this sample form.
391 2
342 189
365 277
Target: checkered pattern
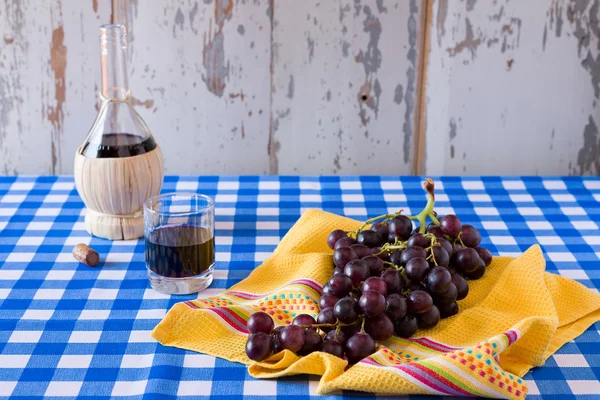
69 330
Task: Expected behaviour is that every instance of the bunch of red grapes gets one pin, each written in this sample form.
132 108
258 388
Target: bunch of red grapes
388 279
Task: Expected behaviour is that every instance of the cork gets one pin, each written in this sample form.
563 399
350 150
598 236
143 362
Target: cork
85 254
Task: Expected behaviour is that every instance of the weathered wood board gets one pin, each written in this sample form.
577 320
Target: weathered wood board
49 76
344 86
513 87
313 87
200 71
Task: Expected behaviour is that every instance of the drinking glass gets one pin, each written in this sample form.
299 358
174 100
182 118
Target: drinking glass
180 245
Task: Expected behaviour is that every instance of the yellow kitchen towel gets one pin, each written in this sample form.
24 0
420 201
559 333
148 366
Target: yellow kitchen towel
513 319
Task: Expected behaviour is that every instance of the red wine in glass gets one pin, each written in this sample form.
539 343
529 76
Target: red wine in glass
180 251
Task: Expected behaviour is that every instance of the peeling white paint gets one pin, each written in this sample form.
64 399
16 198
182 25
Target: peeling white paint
351 88
492 109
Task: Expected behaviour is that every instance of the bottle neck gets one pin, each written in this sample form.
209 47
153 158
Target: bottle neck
113 50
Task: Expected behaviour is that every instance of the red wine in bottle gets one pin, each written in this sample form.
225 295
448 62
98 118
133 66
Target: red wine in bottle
117 145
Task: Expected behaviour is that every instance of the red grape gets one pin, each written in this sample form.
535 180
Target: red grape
429 319
382 229
372 303
344 242
333 347
419 240
448 310
380 328
467 260
328 300
361 250
406 327
384 256
435 231
292 338
303 319
334 237
343 255
327 289
339 336
396 257
485 255
260 322
393 280
277 347
326 316
419 302
376 284
346 310
312 342
416 269
395 306
375 265
470 236
438 280
462 286
259 346
400 227
338 270
446 245
449 296
359 346
340 285
411 253
450 225
477 273
357 271
369 238
441 257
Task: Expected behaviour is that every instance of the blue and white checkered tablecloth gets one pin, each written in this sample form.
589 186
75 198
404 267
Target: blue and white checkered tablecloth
69 330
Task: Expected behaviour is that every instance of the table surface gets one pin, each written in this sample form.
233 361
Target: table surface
70 330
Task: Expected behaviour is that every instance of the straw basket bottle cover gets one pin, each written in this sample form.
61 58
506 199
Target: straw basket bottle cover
119 165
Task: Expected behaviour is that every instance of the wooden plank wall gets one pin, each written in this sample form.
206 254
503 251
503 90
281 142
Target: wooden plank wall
227 86
314 87
513 87
49 78
344 86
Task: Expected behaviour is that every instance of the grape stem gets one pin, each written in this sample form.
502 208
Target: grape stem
337 331
400 269
336 325
428 210
404 276
434 243
387 247
374 219
458 237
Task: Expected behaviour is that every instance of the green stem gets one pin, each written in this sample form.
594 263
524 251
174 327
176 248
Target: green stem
320 325
434 243
428 210
458 237
404 276
371 220
337 331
